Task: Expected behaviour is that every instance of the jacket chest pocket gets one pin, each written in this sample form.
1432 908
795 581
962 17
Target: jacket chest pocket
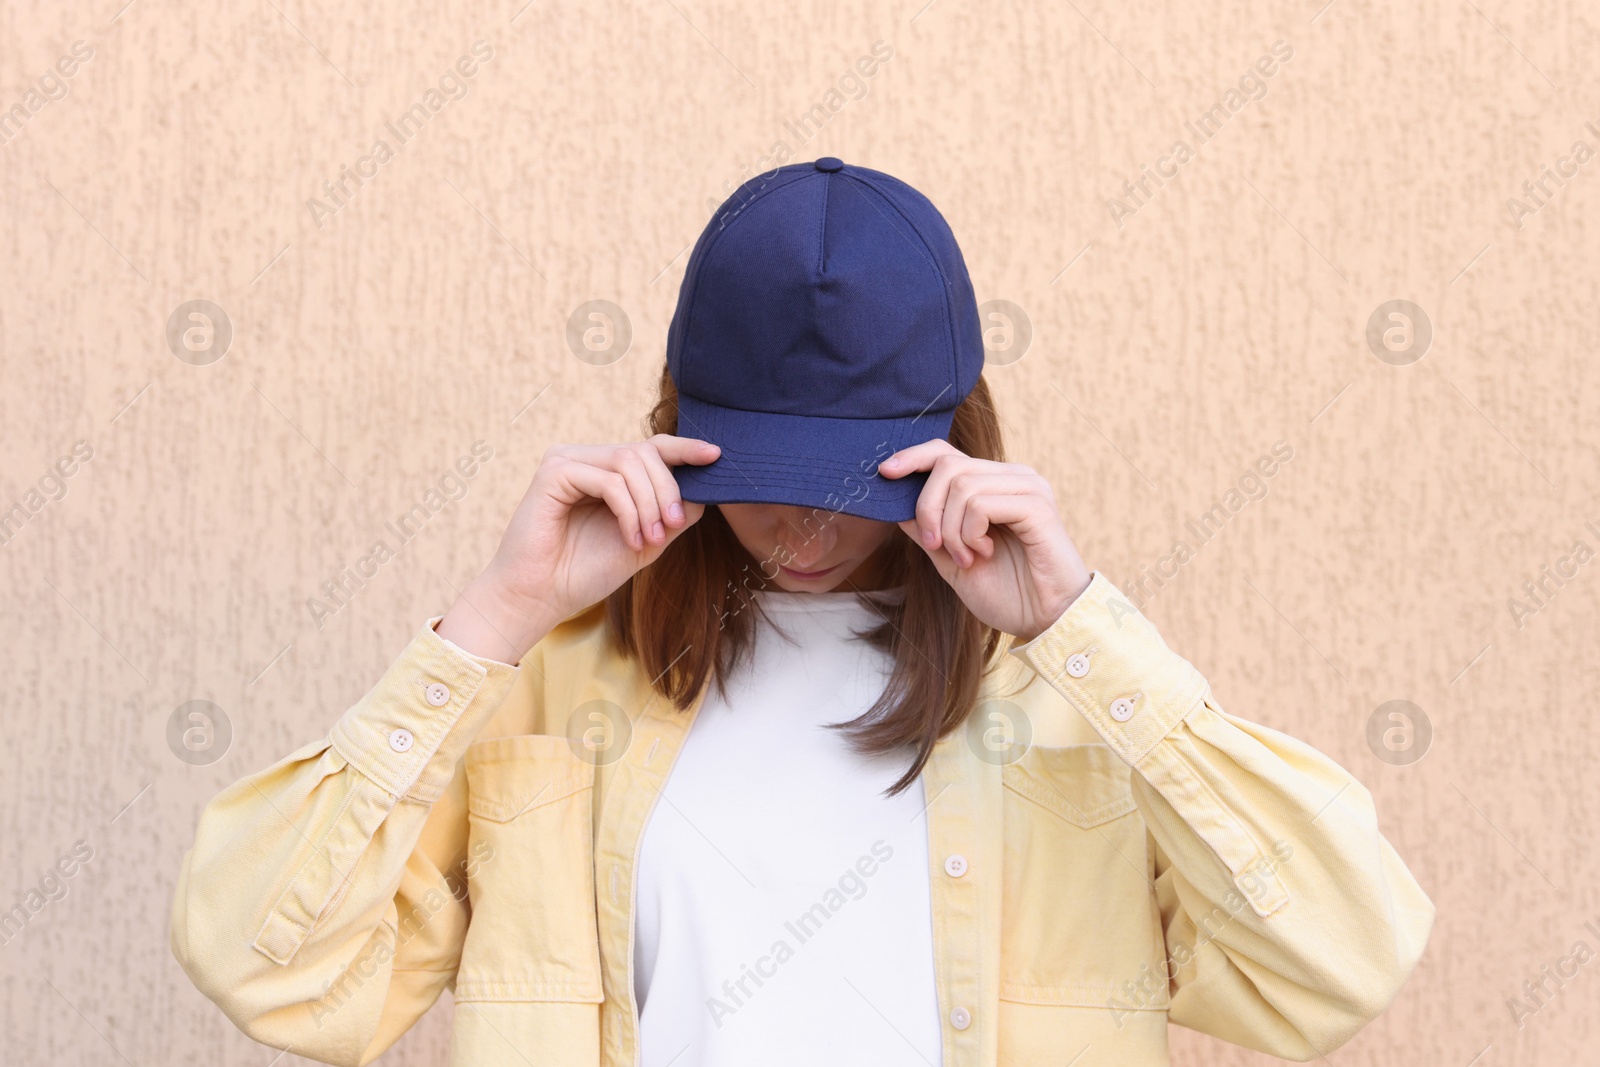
1082 926
533 933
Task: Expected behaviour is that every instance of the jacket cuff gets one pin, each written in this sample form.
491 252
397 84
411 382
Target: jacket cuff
1110 663
410 730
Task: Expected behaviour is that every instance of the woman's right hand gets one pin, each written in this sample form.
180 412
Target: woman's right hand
592 517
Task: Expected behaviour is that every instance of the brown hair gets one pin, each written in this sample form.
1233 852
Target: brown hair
682 616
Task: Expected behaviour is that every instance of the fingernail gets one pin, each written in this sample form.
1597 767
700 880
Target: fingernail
929 537
656 531
675 511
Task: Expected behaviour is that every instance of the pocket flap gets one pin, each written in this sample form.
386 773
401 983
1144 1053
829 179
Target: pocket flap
1086 785
509 776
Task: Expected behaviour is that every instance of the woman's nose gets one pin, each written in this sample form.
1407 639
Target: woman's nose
807 543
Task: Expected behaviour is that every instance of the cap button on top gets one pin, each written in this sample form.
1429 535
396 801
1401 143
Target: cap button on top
829 163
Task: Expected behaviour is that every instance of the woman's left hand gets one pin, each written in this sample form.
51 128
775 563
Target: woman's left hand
993 531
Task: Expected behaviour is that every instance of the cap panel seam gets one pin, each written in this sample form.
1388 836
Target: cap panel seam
927 253
822 234
691 279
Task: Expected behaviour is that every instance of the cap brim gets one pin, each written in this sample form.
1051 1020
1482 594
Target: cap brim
805 460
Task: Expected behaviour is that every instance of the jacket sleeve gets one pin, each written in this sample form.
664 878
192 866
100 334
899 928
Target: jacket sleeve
1290 922
322 906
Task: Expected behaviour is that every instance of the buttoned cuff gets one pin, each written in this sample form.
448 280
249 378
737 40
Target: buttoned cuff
410 729
1109 662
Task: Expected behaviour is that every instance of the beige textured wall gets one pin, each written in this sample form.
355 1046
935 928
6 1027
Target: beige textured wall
374 344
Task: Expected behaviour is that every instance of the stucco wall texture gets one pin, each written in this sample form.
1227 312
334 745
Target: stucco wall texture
1174 316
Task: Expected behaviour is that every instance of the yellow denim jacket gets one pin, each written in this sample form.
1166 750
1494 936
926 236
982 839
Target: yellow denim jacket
1146 858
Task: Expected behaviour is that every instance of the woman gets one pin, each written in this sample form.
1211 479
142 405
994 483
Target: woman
799 729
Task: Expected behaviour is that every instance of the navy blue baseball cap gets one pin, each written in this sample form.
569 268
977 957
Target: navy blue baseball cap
825 322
